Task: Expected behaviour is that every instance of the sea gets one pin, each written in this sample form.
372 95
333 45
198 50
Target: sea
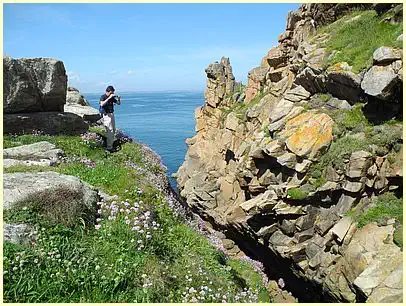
162 120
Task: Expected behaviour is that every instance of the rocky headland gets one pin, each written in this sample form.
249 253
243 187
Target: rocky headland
302 168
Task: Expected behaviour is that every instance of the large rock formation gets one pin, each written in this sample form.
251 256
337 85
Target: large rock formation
22 185
33 85
35 91
40 153
77 104
248 169
51 123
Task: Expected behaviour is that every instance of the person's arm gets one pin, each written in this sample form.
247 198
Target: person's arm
103 102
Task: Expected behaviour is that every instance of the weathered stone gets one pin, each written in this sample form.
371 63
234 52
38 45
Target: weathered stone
274 148
287 160
19 186
297 94
231 122
51 123
33 85
266 231
380 182
308 134
298 252
353 186
316 57
360 161
390 290
268 178
303 166
325 221
20 234
311 81
379 82
276 75
341 228
283 208
372 170
338 104
385 55
278 125
344 85
228 244
285 35
344 204
305 235
256 79
281 110
260 203
279 239
331 175
328 186
220 82
35 151
306 222
276 58
293 18
73 96
287 227
88 113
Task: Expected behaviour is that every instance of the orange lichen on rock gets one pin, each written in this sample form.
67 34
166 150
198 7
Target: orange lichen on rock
308 133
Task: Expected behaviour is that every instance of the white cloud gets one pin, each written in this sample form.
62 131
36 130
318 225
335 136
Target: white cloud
73 77
113 72
130 72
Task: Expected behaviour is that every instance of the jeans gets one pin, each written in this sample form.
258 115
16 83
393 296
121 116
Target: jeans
109 123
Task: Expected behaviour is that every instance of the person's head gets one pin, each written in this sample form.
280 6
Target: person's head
110 90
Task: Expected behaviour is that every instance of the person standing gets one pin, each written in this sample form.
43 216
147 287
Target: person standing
107 101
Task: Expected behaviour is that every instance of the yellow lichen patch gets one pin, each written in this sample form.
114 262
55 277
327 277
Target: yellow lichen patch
308 133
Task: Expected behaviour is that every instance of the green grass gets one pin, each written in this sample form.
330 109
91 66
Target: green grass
324 97
241 108
338 151
357 40
297 193
73 261
387 206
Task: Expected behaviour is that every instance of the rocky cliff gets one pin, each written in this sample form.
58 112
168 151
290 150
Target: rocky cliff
35 93
298 166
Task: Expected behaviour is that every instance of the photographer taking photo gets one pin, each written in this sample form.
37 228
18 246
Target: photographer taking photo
107 101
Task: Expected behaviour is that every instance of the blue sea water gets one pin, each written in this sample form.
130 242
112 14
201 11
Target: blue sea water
162 120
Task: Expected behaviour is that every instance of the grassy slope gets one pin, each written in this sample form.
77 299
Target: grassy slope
75 262
356 40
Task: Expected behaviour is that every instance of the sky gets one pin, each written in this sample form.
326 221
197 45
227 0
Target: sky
143 47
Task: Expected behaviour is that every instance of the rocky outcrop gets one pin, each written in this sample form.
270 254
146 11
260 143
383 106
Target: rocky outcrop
22 185
33 85
37 154
51 123
73 96
248 169
35 92
77 104
22 234
386 74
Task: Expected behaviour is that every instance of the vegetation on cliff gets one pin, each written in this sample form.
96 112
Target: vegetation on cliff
137 248
355 37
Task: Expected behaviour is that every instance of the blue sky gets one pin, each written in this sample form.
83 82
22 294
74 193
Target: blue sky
144 47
